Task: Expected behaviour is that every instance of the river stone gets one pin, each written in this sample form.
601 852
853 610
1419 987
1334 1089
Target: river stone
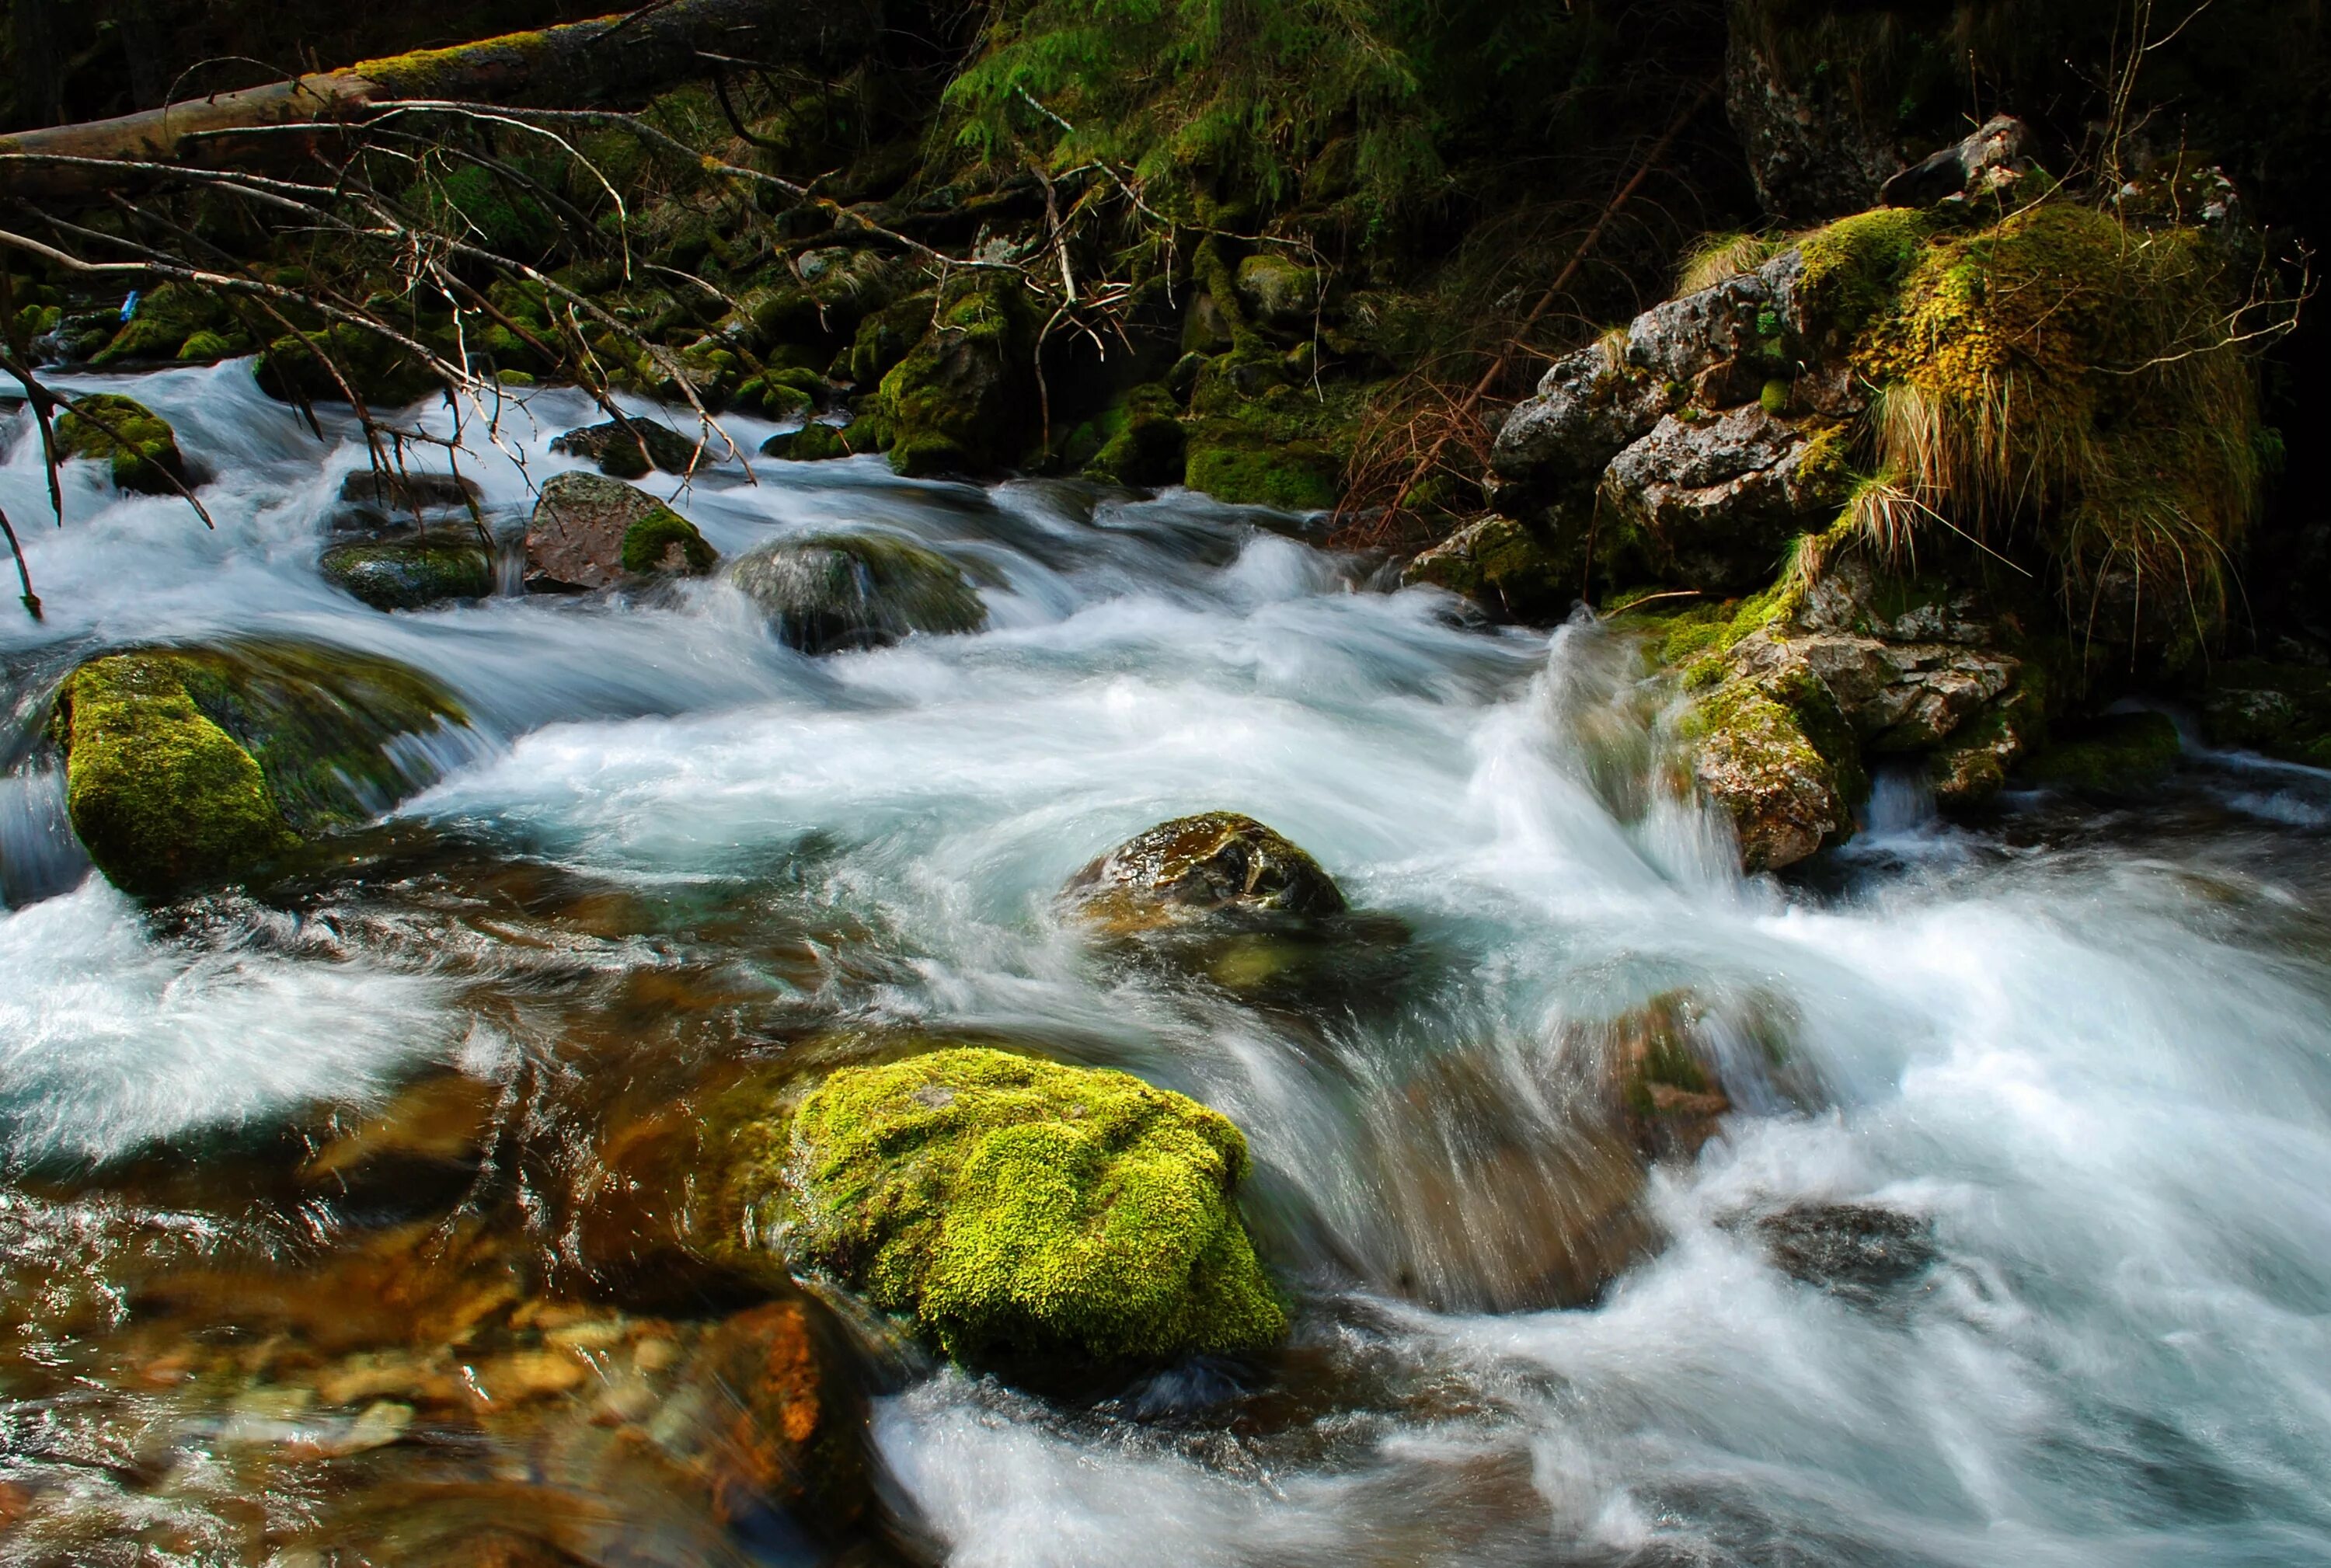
781 1428
833 592
190 766
409 574
1026 1216
1217 868
590 532
631 453
139 444
1856 1252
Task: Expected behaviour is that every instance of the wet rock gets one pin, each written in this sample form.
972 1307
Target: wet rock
1754 754
376 370
1716 501
634 451
187 766
1137 443
1233 460
1667 1082
1898 697
832 592
1217 869
784 1433
2281 709
2112 755
381 498
813 442
1028 1216
137 443
1500 566
410 573
1859 1251
589 532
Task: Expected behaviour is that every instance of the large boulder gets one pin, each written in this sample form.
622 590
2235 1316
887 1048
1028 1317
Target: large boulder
1818 143
1025 1215
590 532
189 766
137 444
832 592
1217 869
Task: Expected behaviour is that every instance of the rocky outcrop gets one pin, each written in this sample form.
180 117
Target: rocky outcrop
589 532
962 400
1714 503
1814 149
832 592
1027 1216
185 766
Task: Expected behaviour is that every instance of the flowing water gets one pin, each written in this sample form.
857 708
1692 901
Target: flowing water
2078 1057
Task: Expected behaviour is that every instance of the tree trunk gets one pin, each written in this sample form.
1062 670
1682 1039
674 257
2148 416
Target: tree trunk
581 64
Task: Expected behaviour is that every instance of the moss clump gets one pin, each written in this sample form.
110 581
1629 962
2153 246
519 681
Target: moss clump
2119 752
139 444
161 796
810 444
408 574
832 592
1854 268
664 541
1137 443
205 347
165 319
960 400
1026 1214
1232 462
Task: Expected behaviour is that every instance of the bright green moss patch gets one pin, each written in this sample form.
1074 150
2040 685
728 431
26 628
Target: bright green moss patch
139 443
161 796
1025 1214
1234 463
1853 268
664 541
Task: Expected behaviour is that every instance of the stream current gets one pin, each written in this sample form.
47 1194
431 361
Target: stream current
2084 1048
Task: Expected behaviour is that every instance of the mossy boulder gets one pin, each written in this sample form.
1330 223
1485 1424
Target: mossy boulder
162 322
590 532
1231 461
964 399
2115 754
831 592
1220 868
1780 762
634 451
187 766
409 574
1138 441
810 444
1025 1215
1276 289
382 373
139 444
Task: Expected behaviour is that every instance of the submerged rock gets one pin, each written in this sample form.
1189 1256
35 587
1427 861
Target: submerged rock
633 451
410 573
188 766
1218 868
139 443
833 592
1024 1215
588 532
1857 1251
376 500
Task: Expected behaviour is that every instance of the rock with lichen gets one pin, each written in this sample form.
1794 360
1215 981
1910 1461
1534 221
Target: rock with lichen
827 593
139 446
188 767
963 399
591 532
1501 566
1024 1215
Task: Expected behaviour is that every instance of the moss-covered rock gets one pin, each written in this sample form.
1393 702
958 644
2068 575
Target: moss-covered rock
1220 868
186 767
963 400
378 371
1502 567
1138 441
162 324
634 451
1024 1215
2116 754
1780 762
137 443
831 592
590 532
810 444
1276 289
1232 462
409 574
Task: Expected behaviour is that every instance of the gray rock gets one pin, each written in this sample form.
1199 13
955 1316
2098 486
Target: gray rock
408 574
833 592
1992 159
1812 151
633 453
1717 501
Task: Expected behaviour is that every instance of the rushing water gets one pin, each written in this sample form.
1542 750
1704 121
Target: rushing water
2085 1048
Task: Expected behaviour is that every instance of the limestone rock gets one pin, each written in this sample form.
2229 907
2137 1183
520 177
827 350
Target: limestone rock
1813 151
832 592
1501 566
1717 500
589 532
1751 755
1217 868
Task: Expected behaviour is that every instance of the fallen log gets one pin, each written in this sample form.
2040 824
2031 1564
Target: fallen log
597 63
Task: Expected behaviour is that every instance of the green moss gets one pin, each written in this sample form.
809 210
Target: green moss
1022 1212
205 347
1234 463
1140 441
1774 398
408 574
649 542
161 796
383 373
137 443
2116 754
477 203
1854 267
810 444
164 320
961 399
